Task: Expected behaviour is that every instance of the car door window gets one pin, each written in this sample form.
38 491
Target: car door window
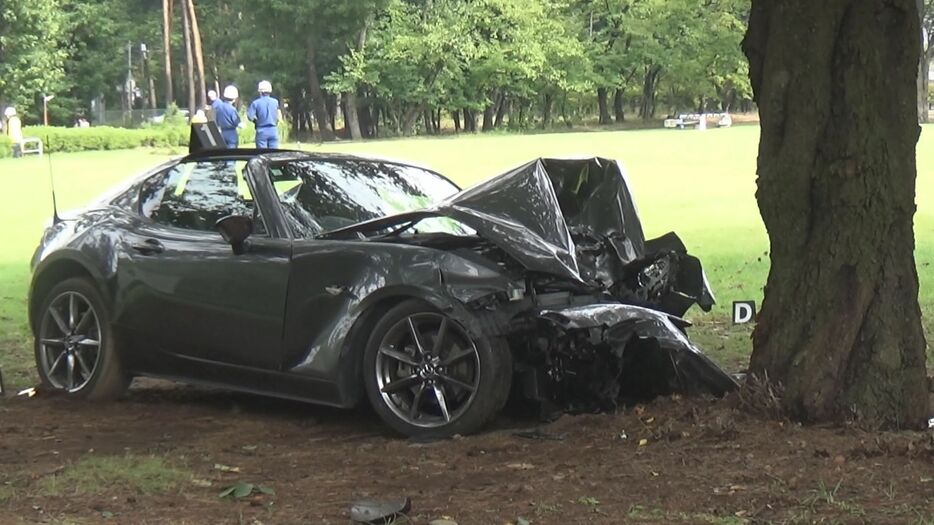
195 195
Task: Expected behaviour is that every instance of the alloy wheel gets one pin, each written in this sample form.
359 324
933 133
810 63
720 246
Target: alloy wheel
69 342
428 370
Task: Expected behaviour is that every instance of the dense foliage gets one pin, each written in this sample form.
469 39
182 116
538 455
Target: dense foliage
377 67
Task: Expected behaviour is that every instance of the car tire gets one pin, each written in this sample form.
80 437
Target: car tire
470 373
75 346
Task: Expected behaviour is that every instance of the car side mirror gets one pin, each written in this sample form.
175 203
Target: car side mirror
235 229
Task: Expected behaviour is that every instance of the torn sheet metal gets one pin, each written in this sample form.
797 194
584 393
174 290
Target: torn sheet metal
618 352
379 512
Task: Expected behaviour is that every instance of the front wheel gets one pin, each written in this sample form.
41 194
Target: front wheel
427 376
75 347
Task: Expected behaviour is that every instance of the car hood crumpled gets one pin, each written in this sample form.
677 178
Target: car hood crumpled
532 210
571 218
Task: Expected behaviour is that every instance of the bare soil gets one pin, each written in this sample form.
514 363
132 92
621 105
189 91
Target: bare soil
671 461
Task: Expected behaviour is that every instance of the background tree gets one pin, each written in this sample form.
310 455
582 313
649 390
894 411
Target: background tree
840 324
32 52
167 50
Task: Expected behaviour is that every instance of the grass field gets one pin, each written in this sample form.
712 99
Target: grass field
701 185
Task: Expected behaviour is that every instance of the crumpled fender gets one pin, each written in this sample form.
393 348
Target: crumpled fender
691 370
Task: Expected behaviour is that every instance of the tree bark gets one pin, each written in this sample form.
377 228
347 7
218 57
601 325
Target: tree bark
167 46
470 121
189 62
604 106
649 88
198 53
318 104
501 108
350 97
840 326
488 115
547 105
618 107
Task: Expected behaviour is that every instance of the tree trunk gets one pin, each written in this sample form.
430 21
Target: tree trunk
350 97
365 113
488 115
455 114
501 109
351 115
470 121
618 107
189 60
199 55
604 106
649 87
840 326
167 46
318 104
546 110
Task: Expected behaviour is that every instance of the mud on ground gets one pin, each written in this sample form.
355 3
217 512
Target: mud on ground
174 449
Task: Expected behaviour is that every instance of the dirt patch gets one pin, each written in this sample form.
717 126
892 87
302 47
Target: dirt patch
672 461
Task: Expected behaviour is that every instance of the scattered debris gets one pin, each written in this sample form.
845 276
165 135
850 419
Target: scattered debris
520 466
29 392
380 512
242 490
540 434
443 521
226 468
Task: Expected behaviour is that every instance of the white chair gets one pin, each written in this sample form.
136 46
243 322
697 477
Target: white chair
31 145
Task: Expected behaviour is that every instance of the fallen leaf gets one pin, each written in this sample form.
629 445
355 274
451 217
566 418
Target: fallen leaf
226 468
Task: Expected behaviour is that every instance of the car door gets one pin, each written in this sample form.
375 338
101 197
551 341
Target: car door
185 291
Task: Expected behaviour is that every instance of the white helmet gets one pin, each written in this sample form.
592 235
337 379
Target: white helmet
212 95
9 112
265 87
231 92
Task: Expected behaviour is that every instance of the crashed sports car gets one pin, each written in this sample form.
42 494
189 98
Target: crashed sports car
329 278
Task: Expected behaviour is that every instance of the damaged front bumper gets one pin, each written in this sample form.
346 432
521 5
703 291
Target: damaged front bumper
598 356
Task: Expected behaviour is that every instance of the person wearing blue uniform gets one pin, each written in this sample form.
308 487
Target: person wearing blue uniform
227 118
264 113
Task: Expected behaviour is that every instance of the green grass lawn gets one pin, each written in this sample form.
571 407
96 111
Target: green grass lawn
701 185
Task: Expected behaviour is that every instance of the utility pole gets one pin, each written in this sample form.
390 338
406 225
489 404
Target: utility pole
148 73
45 108
128 90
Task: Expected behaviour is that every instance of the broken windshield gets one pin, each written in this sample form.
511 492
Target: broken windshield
320 196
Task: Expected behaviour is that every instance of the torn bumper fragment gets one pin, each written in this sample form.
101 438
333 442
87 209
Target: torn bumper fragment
596 357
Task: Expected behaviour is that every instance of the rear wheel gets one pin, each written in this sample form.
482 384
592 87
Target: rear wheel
75 348
427 376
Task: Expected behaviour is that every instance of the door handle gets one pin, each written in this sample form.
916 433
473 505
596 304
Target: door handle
149 247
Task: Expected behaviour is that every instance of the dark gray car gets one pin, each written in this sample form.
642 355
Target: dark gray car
330 278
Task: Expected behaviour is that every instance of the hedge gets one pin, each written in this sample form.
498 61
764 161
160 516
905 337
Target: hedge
6 147
59 139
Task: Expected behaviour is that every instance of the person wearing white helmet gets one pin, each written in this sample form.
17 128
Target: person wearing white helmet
14 130
264 113
227 117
